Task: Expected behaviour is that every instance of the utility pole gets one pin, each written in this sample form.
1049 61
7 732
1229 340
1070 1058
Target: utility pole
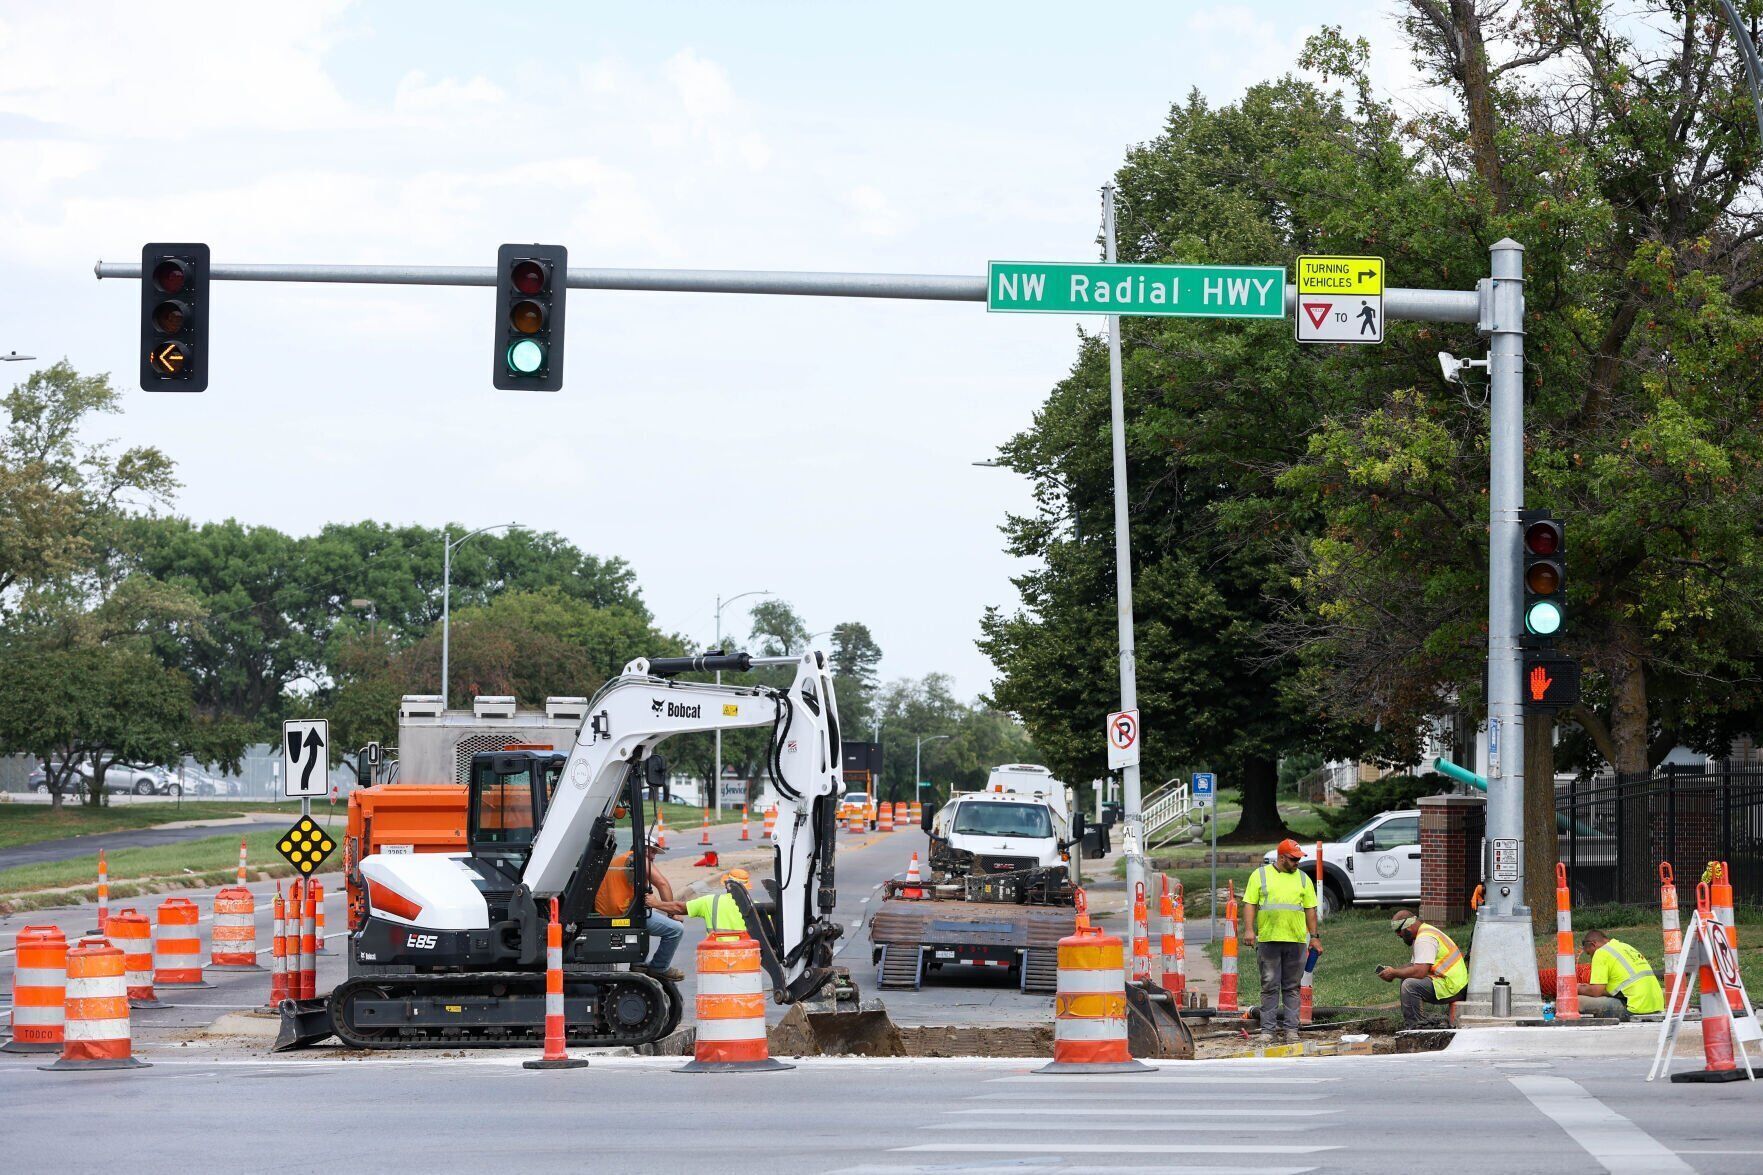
1133 817
447 597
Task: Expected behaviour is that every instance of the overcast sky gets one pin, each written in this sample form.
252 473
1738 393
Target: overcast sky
819 448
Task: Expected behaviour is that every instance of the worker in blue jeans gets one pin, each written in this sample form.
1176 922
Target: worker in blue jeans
664 932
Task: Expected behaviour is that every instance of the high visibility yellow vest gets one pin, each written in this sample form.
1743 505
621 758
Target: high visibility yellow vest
1625 972
718 911
1450 974
1280 900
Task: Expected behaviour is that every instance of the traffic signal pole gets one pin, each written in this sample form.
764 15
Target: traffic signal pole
1502 941
1502 945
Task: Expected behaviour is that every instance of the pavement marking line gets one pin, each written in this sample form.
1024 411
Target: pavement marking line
1159 1111
1116 1148
1031 1167
1064 1128
1158 1097
1142 1079
1614 1141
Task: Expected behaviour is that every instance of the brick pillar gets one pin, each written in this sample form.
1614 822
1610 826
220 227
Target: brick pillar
1451 832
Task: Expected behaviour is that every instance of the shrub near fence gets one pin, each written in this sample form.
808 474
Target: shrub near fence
1617 831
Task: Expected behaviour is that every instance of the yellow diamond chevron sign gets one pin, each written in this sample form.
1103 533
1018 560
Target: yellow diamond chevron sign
305 846
1340 299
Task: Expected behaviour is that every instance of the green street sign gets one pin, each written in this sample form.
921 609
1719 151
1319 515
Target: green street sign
1181 291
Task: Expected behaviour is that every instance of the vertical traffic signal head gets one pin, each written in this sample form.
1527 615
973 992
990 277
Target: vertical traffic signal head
531 281
1544 578
174 318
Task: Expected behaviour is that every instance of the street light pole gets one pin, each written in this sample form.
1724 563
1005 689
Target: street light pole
917 771
716 780
15 357
447 598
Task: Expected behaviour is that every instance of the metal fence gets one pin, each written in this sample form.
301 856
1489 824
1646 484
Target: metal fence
1614 833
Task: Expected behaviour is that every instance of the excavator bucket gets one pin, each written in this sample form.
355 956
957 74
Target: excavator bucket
837 1023
1154 1027
304 1023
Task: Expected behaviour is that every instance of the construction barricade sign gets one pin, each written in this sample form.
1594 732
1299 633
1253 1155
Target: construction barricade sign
305 846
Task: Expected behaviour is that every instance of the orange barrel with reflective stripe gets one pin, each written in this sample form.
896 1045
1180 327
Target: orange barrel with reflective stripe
1089 1008
1141 936
746 824
771 823
39 983
132 934
857 822
279 989
1175 944
884 819
917 813
96 1035
1673 934
1566 974
730 1008
902 814
177 944
232 946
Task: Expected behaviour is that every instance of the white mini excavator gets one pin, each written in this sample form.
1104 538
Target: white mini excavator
452 949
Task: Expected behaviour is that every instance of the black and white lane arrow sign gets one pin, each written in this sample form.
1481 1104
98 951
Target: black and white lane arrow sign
305 753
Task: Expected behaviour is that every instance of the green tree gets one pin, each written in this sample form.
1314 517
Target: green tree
856 661
975 738
60 493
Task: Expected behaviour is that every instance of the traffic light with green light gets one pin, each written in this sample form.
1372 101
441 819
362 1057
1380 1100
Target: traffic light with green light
531 281
174 318
1545 578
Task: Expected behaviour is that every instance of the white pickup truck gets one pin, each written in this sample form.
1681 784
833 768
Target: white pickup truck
1377 863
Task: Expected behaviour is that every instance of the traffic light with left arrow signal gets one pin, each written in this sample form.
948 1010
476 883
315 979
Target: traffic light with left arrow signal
174 318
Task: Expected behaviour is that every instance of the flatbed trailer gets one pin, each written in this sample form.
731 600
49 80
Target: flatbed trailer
967 924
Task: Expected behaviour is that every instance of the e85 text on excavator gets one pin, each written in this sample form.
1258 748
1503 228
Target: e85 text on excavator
451 950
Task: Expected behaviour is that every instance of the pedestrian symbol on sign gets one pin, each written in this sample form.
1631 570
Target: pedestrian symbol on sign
1368 319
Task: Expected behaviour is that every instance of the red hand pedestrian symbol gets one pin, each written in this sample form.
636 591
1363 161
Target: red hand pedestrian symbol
1540 681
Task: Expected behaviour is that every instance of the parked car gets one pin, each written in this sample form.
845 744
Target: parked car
206 783
1377 863
141 779
39 781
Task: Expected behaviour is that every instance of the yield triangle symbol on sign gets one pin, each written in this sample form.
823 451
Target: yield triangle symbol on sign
1317 312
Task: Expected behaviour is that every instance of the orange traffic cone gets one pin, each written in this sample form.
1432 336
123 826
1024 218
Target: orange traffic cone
914 885
704 837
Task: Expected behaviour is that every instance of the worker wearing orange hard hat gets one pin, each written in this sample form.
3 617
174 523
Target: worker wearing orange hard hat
1279 921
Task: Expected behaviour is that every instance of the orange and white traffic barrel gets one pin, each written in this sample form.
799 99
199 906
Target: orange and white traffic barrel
884 818
232 945
746 825
661 830
556 1028
1566 971
1668 910
704 834
902 814
177 944
771 823
1174 932
1717 1038
132 934
730 1008
917 813
39 983
1089 1009
103 894
858 821
96 1034
1227 966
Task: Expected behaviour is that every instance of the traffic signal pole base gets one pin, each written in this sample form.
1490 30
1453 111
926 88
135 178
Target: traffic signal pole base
1502 948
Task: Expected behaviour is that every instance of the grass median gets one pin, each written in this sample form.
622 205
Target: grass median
23 824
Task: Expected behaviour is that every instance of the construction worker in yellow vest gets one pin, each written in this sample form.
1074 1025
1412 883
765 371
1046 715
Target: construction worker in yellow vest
1623 983
1279 921
1435 973
718 908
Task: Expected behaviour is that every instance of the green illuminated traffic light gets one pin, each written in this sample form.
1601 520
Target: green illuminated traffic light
1545 578
531 281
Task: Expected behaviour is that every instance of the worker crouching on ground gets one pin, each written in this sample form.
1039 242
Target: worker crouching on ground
1279 921
1623 983
717 908
616 893
1434 974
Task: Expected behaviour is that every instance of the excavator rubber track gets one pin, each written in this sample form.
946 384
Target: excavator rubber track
488 1010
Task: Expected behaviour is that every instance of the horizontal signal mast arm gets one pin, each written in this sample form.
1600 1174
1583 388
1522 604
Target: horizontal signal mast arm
1412 305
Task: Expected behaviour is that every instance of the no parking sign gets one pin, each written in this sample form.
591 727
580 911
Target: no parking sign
1123 739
